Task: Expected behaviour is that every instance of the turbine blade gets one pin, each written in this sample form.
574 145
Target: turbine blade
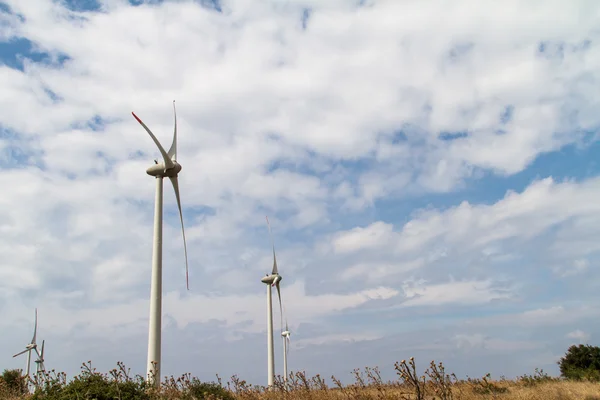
166 158
42 353
280 307
173 150
176 187
34 328
23 352
273 244
286 320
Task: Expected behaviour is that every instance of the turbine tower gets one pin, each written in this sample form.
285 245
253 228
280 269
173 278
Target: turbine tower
31 346
168 168
285 335
270 281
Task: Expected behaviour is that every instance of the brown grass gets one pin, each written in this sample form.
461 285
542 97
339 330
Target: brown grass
546 391
560 390
563 390
435 383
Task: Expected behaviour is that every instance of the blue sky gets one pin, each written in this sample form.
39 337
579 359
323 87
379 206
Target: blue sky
430 175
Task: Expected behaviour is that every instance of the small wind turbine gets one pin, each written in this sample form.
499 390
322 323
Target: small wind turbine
285 335
31 346
270 281
168 168
40 368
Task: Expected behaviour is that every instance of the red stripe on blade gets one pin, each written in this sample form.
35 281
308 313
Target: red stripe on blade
136 117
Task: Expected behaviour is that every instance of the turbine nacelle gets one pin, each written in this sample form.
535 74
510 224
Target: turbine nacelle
159 169
286 333
272 279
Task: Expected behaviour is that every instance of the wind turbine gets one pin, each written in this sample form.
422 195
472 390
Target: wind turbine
285 335
270 281
31 346
168 168
40 368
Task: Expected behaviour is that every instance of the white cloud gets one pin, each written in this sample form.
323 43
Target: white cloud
540 317
542 205
579 335
378 271
116 319
374 236
578 266
469 342
335 338
468 292
476 340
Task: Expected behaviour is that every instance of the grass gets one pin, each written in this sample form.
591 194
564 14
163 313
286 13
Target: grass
435 383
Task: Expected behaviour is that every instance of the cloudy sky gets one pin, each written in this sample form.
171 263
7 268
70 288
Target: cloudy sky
429 170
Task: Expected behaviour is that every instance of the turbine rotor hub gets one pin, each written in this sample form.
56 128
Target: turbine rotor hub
158 170
270 279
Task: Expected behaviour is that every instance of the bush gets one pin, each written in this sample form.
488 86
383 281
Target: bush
208 390
581 362
90 384
537 378
13 382
117 384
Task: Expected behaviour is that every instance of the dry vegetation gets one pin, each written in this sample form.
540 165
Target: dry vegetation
435 383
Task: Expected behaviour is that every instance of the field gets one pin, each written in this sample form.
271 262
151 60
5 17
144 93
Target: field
435 383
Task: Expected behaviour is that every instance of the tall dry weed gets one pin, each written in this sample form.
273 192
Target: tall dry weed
433 383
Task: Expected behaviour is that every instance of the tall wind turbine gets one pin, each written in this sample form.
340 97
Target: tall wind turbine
270 281
168 168
285 335
31 346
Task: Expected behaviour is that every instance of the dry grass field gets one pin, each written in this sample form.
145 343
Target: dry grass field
514 391
435 383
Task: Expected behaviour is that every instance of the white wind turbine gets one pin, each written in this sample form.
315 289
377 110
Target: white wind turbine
31 346
40 367
270 281
285 335
168 168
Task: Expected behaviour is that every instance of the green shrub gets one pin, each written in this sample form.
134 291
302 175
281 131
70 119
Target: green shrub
90 384
14 383
581 362
207 390
117 384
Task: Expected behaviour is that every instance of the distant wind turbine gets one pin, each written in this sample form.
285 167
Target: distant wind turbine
31 346
270 281
40 367
168 168
285 335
